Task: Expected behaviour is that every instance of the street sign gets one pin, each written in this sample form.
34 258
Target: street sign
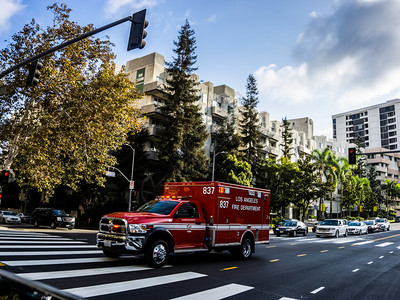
131 184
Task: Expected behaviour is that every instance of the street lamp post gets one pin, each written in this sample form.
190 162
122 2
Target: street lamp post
213 165
131 181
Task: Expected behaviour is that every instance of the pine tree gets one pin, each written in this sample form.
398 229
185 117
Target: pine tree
287 137
181 150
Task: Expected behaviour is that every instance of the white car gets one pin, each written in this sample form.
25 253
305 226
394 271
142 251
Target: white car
9 217
355 227
383 224
332 227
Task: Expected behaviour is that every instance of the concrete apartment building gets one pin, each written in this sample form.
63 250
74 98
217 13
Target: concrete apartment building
217 103
377 129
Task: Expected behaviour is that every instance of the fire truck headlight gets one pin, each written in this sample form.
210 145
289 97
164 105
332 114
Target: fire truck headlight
137 228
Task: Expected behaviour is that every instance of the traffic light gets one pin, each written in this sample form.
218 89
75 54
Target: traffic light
137 34
352 156
34 73
4 176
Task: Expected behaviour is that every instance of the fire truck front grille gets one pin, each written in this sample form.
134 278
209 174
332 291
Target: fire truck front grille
113 225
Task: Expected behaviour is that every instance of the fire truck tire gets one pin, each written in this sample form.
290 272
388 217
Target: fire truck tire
244 251
111 254
157 253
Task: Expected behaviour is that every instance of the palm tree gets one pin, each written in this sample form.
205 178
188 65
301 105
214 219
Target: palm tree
390 187
341 167
321 159
362 183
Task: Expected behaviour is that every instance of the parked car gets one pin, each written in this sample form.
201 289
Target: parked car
356 227
383 224
52 217
397 219
8 217
293 228
332 227
24 218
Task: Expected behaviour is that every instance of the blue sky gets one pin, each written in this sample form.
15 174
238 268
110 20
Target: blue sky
311 58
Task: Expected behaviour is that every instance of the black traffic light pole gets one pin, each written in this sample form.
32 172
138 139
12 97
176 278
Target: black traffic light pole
65 44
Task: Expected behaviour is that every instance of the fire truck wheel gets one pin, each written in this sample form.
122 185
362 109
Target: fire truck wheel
244 251
157 253
111 254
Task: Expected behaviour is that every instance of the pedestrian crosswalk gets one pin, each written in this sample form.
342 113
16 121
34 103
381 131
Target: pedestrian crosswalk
351 240
74 267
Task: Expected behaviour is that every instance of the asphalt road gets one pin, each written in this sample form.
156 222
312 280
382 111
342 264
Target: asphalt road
355 267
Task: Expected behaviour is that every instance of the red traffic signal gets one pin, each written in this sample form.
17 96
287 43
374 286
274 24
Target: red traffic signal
4 176
352 156
137 34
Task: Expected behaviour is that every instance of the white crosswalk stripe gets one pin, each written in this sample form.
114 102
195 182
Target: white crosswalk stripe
384 244
117 287
39 247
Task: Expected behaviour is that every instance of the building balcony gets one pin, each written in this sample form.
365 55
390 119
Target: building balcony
154 130
150 109
218 112
273 135
215 128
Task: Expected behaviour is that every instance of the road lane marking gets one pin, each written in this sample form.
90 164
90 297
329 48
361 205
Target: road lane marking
124 286
355 270
217 293
384 244
274 260
270 247
380 257
371 262
41 242
391 252
227 269
362 243
46 246
317 290
324 251
49 262
388 237
301 255
51 238
341 247
32 253
81 272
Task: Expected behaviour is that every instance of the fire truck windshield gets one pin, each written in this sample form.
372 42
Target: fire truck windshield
158 207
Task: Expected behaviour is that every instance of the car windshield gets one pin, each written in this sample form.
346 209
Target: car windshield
8 213
158 207
380 220
354 224
330 222
369 222
58 212
290 223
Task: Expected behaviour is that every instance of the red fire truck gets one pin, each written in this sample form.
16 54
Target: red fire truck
190 216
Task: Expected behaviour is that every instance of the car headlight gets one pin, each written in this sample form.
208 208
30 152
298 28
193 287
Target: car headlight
73 220
59 219
137 228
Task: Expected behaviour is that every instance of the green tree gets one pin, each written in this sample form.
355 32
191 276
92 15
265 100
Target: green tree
362 185
236 171
350 194
226 141
61 131
308 184
181 144
376 196
287 137
279 177
250 126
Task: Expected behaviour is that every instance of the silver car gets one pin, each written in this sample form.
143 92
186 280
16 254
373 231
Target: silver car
332 227
8 217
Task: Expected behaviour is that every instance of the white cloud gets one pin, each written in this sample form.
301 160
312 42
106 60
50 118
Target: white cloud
116 7
347 60
8 9
212 19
